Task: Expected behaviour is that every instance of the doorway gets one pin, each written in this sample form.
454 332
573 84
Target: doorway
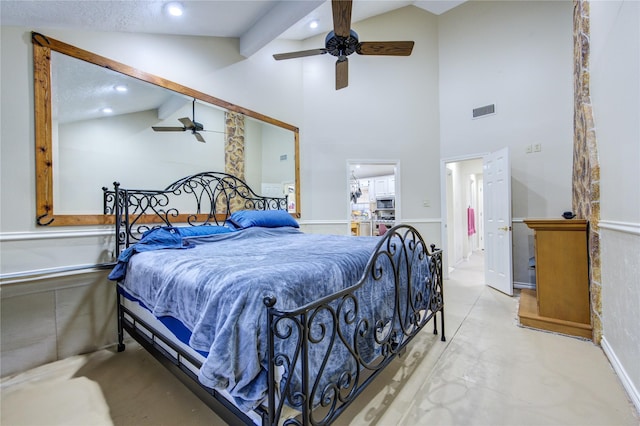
374 196
476 212
464 211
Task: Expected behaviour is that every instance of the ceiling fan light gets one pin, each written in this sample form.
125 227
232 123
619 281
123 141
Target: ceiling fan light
174 9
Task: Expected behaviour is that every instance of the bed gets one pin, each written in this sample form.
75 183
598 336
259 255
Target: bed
266 323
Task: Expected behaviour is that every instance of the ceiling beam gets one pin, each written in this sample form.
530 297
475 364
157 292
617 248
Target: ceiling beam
280 18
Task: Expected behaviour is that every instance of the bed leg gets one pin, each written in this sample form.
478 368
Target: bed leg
119 313
442 338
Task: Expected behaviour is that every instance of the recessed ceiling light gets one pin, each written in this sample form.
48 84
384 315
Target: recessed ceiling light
121 88
106 110
174 9
313 24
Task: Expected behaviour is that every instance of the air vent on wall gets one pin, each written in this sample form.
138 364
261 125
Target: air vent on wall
484 110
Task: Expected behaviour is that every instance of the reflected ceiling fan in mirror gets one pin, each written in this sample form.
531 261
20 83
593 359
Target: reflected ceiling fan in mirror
343 41
188 124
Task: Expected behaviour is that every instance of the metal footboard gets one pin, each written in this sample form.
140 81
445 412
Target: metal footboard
304 341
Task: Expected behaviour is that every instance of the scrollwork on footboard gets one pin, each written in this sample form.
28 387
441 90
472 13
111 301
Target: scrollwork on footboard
206 198
330 350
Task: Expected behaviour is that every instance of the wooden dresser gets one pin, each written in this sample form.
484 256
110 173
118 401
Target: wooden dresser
560 301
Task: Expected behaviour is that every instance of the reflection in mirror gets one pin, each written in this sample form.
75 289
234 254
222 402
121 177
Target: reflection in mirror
82 147
93 146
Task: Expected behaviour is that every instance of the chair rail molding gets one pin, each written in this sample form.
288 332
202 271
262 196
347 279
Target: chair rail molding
46 235
626 227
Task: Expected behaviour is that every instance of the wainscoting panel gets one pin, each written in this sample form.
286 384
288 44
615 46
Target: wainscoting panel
620 245
51 317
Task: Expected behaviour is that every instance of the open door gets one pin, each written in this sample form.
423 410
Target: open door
498 271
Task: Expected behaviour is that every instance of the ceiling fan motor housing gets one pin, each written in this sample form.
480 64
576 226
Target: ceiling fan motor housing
341 46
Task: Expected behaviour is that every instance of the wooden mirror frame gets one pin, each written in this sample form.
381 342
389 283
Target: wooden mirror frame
42 47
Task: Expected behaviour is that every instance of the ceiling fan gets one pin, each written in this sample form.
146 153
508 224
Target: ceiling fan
343 41
188 124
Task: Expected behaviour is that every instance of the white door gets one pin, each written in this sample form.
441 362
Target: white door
498 271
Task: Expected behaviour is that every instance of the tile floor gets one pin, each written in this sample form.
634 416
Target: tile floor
489 372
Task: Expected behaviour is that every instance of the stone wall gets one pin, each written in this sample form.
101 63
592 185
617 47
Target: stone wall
234 162
586 168
234 144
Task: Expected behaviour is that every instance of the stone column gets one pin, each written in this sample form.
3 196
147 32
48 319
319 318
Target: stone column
586 167
234 162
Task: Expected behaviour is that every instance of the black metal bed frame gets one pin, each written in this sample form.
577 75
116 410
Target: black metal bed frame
211 196
321 326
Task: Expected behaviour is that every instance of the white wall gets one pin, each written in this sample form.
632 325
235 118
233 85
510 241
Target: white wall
615 95
455 223
389 111
90 156
276 144
497 52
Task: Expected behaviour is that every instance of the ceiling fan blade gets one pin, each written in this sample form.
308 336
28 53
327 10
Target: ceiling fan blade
342 73
389 48
187 122
199 137
341 17
299 54
168 129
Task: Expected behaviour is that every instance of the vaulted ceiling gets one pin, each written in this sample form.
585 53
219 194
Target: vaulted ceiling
255 22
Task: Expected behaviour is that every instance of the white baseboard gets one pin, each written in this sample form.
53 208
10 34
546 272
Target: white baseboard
627 383
520 284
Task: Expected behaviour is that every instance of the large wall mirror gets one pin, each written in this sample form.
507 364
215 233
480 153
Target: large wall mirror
95 121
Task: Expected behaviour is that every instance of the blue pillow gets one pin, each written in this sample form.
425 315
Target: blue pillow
265 218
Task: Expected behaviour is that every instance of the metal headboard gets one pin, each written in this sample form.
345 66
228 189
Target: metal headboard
206 198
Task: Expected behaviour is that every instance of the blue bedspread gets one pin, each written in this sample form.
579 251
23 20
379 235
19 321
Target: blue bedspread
217 287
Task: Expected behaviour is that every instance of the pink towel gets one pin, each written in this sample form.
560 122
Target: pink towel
382 229
471 221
